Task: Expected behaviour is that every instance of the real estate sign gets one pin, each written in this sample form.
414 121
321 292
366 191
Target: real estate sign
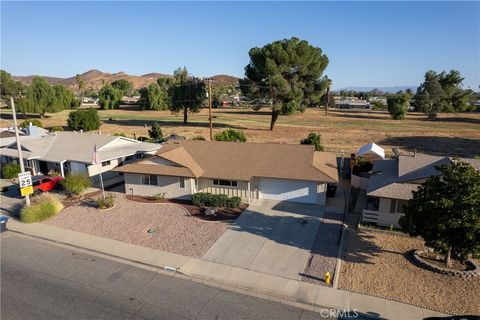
25 182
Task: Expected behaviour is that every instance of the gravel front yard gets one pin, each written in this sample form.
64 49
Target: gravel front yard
176 230
377 264
324 250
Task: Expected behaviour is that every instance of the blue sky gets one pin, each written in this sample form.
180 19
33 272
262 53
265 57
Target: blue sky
368 43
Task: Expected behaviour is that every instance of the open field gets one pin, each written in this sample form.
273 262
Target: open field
454 134
379 264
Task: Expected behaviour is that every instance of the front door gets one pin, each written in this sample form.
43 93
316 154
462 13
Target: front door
43 167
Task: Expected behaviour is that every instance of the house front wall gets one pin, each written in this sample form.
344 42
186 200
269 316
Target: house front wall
241 190
383 217
169 186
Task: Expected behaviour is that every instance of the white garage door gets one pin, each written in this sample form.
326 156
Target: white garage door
288 190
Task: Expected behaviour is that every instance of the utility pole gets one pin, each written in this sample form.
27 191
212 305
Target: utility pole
327 99
210 107
19 147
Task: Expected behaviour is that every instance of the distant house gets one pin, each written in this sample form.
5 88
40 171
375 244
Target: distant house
71 152
129 100
393 181
353 103
285 172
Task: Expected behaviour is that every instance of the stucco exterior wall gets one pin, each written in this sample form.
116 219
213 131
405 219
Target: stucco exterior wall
384 217
168 185
241 190
322 194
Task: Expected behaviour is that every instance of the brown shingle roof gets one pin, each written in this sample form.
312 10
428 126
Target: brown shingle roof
242 161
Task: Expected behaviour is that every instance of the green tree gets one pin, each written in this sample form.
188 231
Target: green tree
109 97
124 86
187 93
34 122
81 86
445 211
8 87
63 99
398 105
315 139
154 98
41 93
286 73
84 119
155 133
231 135
442 93
379 105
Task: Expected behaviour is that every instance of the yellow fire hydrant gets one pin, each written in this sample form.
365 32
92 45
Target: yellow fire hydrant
328 278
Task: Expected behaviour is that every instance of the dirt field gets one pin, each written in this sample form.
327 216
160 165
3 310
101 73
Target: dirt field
378 264
454 134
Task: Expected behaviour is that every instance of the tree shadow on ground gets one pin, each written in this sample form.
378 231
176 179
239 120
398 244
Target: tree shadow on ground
455 119
449 146
250 112
360 247
371 116
148 123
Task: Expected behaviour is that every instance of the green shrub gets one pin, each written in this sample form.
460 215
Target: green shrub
10 170
315 139
155 133
75 184
84 119
42 207
120 134
231 135
158 196
35 122
198 137
205 199
56 128
106 203
398 105
142 138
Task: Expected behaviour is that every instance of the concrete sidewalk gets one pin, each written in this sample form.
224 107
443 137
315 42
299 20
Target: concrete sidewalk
305 295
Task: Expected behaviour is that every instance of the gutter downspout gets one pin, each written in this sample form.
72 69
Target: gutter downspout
248 193
62 173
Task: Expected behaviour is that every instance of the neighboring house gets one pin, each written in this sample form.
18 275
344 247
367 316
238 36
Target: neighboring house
71 152
352 104
286 172
393 181
129 100
7 135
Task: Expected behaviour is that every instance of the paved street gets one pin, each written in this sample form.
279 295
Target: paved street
44 281
271 237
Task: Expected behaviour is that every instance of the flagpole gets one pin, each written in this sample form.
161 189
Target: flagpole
101 180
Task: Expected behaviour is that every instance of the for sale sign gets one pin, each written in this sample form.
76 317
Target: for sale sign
25 182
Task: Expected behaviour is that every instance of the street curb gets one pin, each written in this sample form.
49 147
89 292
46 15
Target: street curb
181 275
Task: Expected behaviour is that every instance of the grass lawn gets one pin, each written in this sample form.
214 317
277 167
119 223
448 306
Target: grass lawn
454 134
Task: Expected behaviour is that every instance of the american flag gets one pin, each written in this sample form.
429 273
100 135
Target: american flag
95 159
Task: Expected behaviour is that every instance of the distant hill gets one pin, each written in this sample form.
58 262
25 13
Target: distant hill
96 79
384 89
223 79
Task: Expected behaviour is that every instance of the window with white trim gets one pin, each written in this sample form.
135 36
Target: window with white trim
106 163
225 183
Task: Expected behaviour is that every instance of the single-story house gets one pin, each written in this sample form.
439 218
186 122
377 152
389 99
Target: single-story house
392 182
352 104
71 152
283 172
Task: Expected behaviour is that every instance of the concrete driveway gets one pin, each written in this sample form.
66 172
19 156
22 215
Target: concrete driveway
271 237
